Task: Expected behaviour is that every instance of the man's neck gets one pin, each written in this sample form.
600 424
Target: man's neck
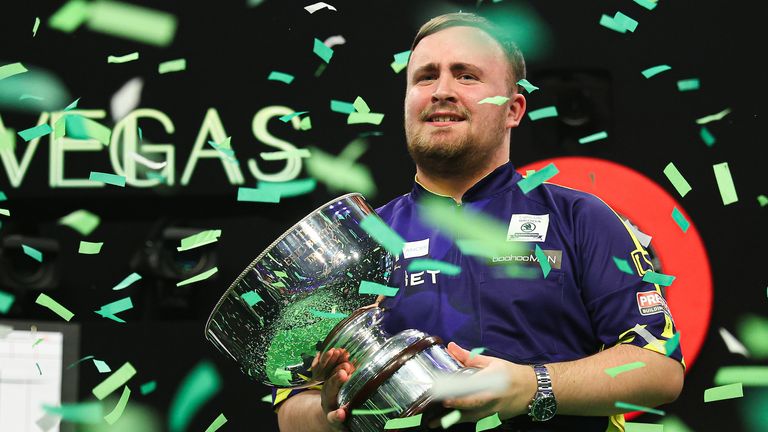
454 187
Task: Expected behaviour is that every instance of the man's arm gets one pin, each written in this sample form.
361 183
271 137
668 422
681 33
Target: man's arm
303 413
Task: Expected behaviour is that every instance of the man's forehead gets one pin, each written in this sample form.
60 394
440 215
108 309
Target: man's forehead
459 44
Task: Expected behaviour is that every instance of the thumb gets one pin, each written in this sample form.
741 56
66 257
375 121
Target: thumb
463 356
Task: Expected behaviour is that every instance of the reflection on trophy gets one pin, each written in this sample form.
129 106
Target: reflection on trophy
299 298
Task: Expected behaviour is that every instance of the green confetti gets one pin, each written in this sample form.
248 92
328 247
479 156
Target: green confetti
340 173
90 248
543 262
117 412
81 127
487 423
6 301
267 398
202 276
671 345
109 310
132 22
3 197
374 411
114 381
289 189
306 123
257 195
496 100
753 332
11 69
756 376
614 371
658 278
86 412
148 387
608 22
81 221
674 424
450 419
370 118
200 385
217 423
382 234
688 84
762 200
123 59
642 427
725 183
32 252
633 407
680 220
330 315
550 111
728 391
101 366
397 67
530 88
107 178
72 105
625 21
322 50
35 26
172 66
360 106
251 298
286 118
677 179
655 70
648 4
342 107
475 352
35 132
133 277
200 239
280 76
623 265
79 361
403 57
367 287
536 179
707 137
594 137
422 264
70 16
713 117
403 423
5 212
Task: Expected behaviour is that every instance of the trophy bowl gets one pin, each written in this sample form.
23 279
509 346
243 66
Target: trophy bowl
299 298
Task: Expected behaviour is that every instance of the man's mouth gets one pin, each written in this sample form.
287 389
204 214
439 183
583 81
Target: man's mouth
444 118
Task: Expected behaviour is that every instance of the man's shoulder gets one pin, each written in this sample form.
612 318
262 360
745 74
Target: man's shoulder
387 210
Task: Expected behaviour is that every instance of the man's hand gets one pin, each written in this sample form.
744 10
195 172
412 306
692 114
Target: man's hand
334 368
509 403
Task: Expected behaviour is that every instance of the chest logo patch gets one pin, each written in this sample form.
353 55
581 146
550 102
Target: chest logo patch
416 249
528 228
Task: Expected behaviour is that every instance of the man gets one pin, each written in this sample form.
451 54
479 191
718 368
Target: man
553 337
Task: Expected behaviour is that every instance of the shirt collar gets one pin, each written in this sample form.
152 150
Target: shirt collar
499 180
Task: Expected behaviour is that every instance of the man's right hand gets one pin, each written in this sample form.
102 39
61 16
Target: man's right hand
334 368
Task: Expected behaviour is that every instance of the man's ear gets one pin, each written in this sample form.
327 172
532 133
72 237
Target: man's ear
517 106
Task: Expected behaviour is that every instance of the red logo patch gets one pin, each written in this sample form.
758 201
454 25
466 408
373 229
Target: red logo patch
651 302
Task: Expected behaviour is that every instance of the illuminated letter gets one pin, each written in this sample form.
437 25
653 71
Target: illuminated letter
211 126
292 156
60 145
127 127
16 170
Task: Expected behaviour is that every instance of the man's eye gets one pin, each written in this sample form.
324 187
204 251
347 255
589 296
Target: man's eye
426 78
467 77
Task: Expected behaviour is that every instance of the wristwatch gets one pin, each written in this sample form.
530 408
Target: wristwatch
544 405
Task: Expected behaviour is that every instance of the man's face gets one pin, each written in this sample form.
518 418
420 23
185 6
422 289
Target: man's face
449 72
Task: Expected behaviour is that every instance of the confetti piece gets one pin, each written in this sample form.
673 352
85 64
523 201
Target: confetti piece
86 412
398 67
655 70
674 424
322 51
200 385
530 88
672 343
633 407
172 66
132 22
202 276
762 200
753 332
339 173
86 128
382 234
32 252
725 183
305 124
643 238
756 376
403 423
550 111
37 342
146 162
3 197
334 40
707 137
81 221
680 220
370 118
40 371
456 386
342 107
285 154
331 315
728 391
367 287
148 387
658 278
117 412
72 105
403 57
123 59
536 179
90 248
476 352
286 118
625 21
107 178
114 381
257 195
219 422
488 423
643 427
450 419
6 301
374 411
5 212
79 361
35 132
360 105
733 344
280 76
289 189
543 261
623 265
200 239
713 117
594 137
251 298
317 6
422 264
109 310
101 366
35 26
648 4
11 69
650 338
608 22
614 371
126 99
688 84
496 100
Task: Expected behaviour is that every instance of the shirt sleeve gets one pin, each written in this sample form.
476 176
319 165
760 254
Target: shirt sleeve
623 307
280 395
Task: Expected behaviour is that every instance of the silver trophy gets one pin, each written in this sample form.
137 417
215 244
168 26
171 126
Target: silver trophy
299 298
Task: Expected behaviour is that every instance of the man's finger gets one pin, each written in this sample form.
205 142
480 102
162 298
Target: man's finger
463 356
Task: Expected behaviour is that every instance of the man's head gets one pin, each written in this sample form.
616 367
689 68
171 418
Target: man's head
456 61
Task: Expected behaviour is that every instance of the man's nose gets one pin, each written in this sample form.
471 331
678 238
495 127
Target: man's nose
444 91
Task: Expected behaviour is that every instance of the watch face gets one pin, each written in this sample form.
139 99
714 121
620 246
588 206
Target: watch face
544 407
